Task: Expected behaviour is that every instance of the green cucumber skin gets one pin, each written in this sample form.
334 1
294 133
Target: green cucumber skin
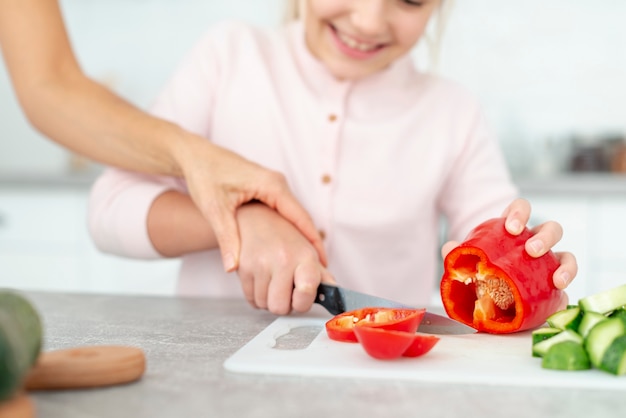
600 338
614 359
566 355
544 333
21 337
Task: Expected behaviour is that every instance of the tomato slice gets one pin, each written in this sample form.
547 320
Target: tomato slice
341 327
385 344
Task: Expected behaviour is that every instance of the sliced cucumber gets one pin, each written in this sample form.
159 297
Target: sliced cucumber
614 359
544 333
566 355
588 321
619 313
604 302
542 347
601 337
566 319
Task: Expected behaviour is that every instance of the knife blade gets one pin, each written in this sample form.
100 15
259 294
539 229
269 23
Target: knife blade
338 300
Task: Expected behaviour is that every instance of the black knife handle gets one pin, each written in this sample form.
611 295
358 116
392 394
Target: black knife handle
329 297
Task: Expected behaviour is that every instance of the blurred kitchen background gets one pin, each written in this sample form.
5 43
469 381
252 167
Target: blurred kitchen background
551 76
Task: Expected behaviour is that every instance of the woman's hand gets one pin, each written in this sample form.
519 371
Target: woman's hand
280 269
545 237
220 181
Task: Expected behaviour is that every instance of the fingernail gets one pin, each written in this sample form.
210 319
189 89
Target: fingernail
514 226
536 245
229 262
564 280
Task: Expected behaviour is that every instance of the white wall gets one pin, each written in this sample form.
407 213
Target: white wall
542 68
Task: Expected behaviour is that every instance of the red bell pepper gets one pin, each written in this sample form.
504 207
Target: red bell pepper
492 284
385 344
341 327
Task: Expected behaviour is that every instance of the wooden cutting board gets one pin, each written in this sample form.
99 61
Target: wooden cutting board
283 349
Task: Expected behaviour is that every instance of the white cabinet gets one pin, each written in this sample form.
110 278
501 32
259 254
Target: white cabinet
45 245
594 227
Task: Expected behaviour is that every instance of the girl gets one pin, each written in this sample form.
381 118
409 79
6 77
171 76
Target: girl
376 152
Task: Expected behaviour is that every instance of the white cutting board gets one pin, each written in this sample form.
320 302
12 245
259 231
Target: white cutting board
475 359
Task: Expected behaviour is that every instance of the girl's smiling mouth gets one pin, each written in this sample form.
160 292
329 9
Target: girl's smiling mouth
352 47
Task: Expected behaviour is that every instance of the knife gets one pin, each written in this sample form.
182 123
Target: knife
338 300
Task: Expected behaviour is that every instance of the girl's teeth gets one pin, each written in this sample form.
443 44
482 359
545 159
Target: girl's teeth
354 44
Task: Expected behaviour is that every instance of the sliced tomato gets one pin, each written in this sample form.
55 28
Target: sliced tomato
385 344
341 327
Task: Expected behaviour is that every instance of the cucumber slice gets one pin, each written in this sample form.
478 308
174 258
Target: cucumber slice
566 355
544 333
588 321
566 319
542 347
614 359
20 340
619 313
601 337
604 302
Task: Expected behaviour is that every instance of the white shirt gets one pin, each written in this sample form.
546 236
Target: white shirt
376 162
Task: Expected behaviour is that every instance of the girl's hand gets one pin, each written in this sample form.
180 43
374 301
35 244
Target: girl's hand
279 268
220 181
545 237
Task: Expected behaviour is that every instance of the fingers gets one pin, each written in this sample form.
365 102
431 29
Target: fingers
286 290
307 278
566 272
447 247
226 231
517 215
545 237
563 302
290 209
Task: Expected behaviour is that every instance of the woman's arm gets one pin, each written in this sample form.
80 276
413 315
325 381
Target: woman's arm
84 116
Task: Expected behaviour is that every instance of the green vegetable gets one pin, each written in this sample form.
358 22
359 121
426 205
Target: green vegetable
606 345
21 336
544 333
590 334
589 320
566 355
542 347
604 302
619 313
566 319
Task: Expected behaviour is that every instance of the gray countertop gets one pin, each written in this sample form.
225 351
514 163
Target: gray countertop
187 340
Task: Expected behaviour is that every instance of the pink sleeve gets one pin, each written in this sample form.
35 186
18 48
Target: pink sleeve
479 186
118 211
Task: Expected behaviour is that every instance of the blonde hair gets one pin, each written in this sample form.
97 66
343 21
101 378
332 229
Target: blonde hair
433 37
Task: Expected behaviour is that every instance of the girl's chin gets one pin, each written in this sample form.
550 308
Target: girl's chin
348 72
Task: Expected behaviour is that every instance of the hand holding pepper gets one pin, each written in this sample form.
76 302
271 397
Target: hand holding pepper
503 277
545 236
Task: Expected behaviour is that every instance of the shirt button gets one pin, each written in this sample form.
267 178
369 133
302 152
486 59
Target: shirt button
332 117
322 234
326 178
